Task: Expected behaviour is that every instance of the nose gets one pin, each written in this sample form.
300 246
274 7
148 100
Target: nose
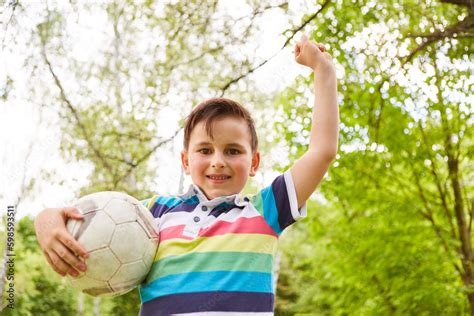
218 160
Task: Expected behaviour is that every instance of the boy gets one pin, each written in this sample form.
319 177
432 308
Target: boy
216 249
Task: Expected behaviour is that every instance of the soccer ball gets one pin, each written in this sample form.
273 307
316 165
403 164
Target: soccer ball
120 236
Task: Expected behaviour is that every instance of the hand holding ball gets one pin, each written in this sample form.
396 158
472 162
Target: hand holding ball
119 234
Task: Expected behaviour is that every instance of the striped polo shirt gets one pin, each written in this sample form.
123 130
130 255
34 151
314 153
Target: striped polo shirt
215 257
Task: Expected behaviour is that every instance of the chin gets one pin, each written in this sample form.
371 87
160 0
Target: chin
220 192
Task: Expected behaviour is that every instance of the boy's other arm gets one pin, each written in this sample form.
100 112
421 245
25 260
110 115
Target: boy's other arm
308 171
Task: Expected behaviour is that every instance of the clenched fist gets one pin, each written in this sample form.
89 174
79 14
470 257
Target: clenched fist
311 54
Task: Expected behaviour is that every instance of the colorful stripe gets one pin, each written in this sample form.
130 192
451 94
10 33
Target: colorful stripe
168 204
266 201
226 313
208 301
229 243
243 225
169 201
211 261
173 232
213 280
280 192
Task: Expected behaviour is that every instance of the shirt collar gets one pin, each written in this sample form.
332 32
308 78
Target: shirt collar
194 190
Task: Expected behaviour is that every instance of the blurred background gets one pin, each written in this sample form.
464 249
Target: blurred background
93 95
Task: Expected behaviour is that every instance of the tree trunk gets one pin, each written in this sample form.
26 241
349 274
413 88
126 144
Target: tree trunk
97 306
470 297
464 229
80 304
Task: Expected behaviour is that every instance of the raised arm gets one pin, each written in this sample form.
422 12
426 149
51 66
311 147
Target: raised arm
308 171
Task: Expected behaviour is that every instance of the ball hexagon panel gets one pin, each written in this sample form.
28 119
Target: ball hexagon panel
102 264
128 275
129 242
99 199
91 286
121 210
95 231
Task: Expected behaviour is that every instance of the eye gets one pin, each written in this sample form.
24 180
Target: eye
234 151
204 151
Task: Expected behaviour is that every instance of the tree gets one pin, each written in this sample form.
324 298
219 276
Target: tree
397 235
38 290
155 57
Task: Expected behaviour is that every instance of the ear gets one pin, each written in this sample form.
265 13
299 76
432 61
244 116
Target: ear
185 162
255 164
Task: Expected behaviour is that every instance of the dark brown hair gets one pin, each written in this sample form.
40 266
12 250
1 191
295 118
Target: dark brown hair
215 108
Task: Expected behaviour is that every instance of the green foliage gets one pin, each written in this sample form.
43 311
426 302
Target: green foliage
127 304
382 263
386 242
50 299
38 289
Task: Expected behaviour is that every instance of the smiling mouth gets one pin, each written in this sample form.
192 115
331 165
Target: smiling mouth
218 178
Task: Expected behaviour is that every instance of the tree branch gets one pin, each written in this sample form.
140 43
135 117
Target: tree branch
461 29
438 232
133 165
453 167
73 110
13 4
466 3
292 34
438 182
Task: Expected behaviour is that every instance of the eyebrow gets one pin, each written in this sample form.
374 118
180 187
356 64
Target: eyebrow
230 145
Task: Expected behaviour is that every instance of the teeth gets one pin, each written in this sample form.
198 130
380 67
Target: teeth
218 178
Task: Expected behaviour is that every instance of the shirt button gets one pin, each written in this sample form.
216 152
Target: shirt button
204 208
196 219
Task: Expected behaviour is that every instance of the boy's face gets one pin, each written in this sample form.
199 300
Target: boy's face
220 166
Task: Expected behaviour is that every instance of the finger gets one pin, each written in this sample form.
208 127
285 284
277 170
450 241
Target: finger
72 244
317 45
50 262
61 257
297 50
77 216
304 38
58 264
69 257
327 55
72 212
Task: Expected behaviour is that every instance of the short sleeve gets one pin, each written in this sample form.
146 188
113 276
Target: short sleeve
159 205
278 203
148 203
